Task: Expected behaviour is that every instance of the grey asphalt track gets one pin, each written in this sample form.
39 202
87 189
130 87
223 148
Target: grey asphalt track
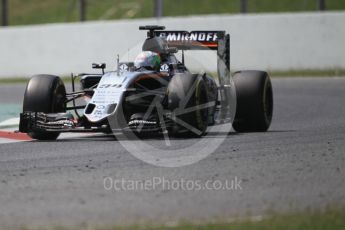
11 93
299 164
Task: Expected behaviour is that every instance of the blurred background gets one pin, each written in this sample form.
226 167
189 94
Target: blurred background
65 36
27 12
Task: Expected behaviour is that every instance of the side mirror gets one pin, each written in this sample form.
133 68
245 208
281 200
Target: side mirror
99 66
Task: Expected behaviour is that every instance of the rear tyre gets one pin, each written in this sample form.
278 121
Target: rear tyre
187 97
45 93
254 101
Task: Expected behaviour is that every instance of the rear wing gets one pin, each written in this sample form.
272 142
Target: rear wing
197 40
202 40
185 40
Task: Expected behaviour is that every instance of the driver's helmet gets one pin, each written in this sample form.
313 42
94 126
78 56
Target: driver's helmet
148 60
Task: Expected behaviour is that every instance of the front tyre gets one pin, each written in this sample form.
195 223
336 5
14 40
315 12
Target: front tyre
45 93
254 101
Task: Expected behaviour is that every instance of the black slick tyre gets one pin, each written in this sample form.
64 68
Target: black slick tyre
254 101
45 93
187 97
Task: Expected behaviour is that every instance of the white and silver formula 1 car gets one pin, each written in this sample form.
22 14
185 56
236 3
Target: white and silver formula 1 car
144 99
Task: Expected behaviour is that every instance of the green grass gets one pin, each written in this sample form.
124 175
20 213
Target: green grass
292 5
21 80
309 73
12 80
25 12
328 220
